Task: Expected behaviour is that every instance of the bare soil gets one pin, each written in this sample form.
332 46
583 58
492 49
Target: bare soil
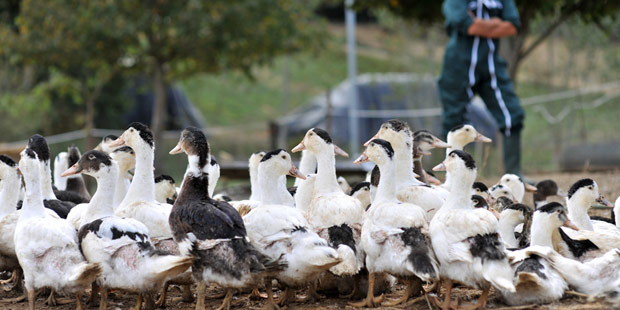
609 183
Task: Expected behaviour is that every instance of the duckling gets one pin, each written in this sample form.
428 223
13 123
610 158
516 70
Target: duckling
516 184
394 234
544 189
466 241
361 191
121 246
409 188
536 280
165 190
334 215
42 241
278 230
211 231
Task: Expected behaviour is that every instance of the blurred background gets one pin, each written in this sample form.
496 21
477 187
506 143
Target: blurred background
256 74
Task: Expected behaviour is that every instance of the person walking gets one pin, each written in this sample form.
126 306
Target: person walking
472 65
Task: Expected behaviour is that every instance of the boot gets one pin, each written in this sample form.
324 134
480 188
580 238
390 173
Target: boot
512 155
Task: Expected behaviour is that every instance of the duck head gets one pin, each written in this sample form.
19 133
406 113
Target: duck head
193 142
8 167
255 159
396 132
29 162
462 135
316 140
137 136
554 215
378 151
125 157
500 190
38 144
585 193
425 142
280 163
94 163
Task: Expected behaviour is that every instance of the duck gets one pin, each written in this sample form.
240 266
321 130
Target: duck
104 145
42 241
307 165
423 142
344 185
121 246
536 279
211 231
139 202
75 190
457 138
214 175
305 192
61 163
545 189
481 189
409 189
512 215
335 216
516 184
8 218
38 144
278 230
501 190
245 206
361 191
126 161
466 241
394 234
581 196
165 190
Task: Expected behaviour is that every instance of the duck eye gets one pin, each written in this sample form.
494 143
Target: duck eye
466 129
283 157
311 134
590 187
91 157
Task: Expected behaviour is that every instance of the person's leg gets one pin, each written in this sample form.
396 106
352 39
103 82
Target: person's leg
454 100
502 101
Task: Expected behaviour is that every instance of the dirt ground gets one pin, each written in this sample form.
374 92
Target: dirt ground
609 183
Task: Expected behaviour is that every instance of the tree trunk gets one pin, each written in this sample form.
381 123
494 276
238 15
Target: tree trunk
158 118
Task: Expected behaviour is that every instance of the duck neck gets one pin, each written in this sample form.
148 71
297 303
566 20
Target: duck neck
418 168
269 194
404 163
254 184
195 184
9 193
326 181
307 165
59 182
102 203
578 212
506 230
386 190
33 200
46 181
142 186
455 144
460 193
121 188
542 234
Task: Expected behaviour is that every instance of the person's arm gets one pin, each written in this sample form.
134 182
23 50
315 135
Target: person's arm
457 17
491 28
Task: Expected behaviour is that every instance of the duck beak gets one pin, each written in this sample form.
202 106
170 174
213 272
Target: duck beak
570 225
426 153
481 138
362 159
176 150
376 136
340 152
295 173
604 201
117 142
438 143
440 167
300 147
490 200
75 169
530 188
561 193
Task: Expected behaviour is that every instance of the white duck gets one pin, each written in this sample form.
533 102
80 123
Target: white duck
104 145
211 231
121 246
536 280
335 216
139 202
361 191
408 189
466 240
245 206
278 230
47 248
126 160
61 163
457 138
581 196
165 190
394 234
516 184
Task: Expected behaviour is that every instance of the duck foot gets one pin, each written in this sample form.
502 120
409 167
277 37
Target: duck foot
447 303
413 286
10 280
288 297
52 301
200 296
15 299
217 296
370 301
227 300
481 304
312 295
256 295
161 301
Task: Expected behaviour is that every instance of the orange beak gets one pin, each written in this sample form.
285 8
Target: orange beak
340 152
117 142
176 150
570 224
376 136
362 159
294 172
482 138
440 167
300 147
75 169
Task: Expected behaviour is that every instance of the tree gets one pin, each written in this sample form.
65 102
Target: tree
515 49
